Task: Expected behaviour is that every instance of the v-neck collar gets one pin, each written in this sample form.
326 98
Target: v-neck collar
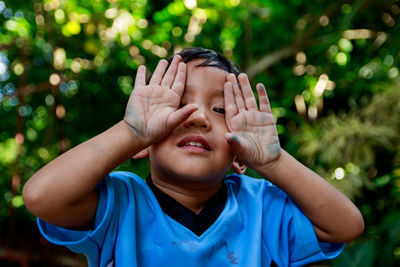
198 224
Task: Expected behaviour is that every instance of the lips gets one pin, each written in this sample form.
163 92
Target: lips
194 141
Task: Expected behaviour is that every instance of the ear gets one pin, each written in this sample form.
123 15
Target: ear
238 167
142 154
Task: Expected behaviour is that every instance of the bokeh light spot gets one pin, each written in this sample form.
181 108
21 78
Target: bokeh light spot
19 138
54 79
190 4
345 45
339 173
18 69
59 16
341 59
60 111
73 27
17 201
49 100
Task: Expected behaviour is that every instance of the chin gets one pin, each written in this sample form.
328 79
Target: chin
187 174
198 176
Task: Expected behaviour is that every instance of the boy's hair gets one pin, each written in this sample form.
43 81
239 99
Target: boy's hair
212 59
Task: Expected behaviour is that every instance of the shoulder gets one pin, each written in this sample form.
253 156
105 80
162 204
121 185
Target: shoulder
122 179
122 189
259 194
254 186
124 176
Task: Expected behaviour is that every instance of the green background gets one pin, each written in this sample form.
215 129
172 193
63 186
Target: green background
331 69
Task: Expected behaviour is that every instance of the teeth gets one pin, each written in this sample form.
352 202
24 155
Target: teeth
194 144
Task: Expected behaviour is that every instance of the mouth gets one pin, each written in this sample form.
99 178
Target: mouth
195 142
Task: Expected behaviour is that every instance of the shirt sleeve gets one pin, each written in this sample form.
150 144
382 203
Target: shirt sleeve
305 246
89 242
290 235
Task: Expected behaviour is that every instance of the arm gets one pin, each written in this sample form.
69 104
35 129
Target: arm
335 218
254 140
63 192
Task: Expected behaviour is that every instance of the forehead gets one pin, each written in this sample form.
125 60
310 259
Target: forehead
206 77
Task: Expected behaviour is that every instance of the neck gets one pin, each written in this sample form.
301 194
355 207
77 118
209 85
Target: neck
190 197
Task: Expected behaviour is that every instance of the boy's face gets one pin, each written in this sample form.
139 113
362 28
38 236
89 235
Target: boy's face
196 151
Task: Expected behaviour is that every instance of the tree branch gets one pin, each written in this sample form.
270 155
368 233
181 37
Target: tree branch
303 42
30 89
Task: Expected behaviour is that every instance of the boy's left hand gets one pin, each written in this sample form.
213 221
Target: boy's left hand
253 136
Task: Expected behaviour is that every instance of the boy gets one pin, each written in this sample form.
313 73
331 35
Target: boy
193 122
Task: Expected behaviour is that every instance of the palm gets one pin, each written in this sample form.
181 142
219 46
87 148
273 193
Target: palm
152 105
254 128
152 110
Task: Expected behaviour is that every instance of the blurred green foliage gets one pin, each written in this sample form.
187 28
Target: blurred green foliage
332 68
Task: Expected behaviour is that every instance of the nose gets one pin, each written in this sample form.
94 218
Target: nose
198 119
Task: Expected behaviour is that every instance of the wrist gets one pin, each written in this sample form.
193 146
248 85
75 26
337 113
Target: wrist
135 130
269 169
133 137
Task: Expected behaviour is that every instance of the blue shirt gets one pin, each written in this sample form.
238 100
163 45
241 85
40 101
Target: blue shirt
259 223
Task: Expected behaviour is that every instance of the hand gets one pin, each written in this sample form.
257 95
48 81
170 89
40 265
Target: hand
253 136
152 110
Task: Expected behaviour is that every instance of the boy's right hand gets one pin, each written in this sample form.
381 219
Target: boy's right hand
153 110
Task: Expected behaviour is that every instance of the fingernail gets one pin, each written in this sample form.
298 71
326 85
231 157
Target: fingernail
233 139
242 75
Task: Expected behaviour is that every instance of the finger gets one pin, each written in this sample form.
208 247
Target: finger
229 101
140 79
159 72
236 143
179 83
248 95
169 76
237 93
180 115
263 98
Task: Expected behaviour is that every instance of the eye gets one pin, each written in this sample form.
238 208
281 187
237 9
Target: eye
219 110
181 105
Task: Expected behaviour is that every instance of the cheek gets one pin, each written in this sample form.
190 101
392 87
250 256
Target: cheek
219 122
158 151
224 147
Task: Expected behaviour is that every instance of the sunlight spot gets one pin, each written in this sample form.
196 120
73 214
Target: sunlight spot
301 57
358 34
111 13
393 72
60 16
19 138
60 111
339 173
312 112
300 104
18 69
3 68
190 4
324 20
17 201
321 85
59 58
54 79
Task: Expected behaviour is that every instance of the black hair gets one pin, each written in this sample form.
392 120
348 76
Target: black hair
212 59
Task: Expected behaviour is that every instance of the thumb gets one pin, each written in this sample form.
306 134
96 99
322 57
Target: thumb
236 142
180 115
